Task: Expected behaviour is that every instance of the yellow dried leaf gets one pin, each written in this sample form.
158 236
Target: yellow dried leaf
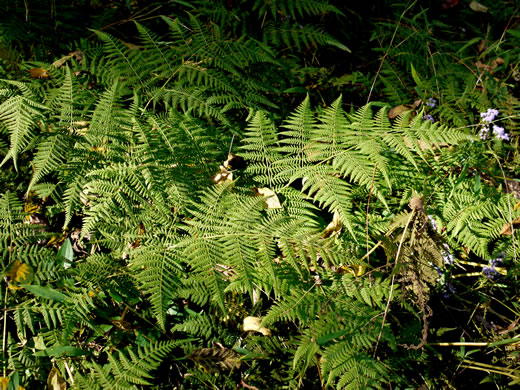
17 273
4 382
253 323
272 201
477 7
38 73
355 270
55 380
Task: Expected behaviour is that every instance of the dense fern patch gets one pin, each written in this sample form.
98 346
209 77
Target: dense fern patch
192 201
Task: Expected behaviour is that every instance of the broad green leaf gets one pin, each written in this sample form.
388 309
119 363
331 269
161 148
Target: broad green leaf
66 250
62 350
45 292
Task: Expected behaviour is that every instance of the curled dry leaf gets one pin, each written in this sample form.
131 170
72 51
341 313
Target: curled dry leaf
253 323
334 226
38 73
398 110
508 228
55 380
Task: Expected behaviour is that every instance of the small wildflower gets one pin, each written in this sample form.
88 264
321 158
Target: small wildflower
431 102
448 290
484 132
428 118
446 255
500 133
489 115
490 272
432 222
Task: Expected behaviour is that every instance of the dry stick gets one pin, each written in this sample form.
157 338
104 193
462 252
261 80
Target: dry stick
4 335
388 50
393 280
509 208
368 100
69 371
461 344
368 209
488 368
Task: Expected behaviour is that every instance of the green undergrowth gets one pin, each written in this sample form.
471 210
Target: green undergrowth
238 194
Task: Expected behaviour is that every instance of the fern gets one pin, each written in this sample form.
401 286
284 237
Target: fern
126 369
19 114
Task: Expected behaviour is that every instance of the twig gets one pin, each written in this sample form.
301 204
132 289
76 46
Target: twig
388 50
393 280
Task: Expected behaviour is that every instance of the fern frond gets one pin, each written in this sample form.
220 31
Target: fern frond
19 114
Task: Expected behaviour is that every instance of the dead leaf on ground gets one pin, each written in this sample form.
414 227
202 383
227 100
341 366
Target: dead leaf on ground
490 68
477 7
216 359
55 380
507 230
398 110
38 73
254 324
17 273
271 201
334 226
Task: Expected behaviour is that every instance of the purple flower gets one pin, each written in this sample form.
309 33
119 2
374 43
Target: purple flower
490 271
489 115
428 118
500 133
431 102
484 132
448 290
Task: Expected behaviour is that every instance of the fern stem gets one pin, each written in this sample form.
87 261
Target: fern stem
487 368
393 280
388 50
509 207
461 344
368 209
4 333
